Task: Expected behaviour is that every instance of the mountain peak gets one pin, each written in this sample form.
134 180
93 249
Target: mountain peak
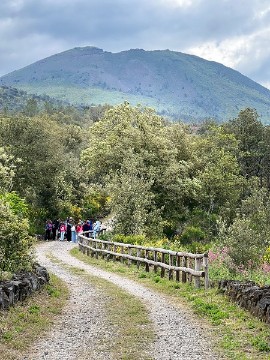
179 85
88 49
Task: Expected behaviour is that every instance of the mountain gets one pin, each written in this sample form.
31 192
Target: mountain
175 84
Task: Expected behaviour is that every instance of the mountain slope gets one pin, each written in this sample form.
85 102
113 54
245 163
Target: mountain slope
13 100
176 84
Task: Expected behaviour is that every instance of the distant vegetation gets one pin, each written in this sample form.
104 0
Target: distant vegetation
13 100
177 85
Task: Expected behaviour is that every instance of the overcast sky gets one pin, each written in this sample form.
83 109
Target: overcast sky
235 33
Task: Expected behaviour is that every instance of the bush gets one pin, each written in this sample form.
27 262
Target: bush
246 245
15 242
192 234
130 239
197 247
266 256
142 240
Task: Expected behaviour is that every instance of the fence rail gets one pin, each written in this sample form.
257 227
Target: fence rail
189 266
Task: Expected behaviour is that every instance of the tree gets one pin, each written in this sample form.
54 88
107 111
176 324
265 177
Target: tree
15 242
218 171
31 108
48 156
249 235
248 130
7 171
132 201
264 150
132 149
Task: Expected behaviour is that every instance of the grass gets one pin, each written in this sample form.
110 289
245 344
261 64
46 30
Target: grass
24 323
126 315
236 333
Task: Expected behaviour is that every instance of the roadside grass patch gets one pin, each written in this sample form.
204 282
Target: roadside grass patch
24 323
235 332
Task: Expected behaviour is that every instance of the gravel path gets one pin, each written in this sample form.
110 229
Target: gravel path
178 334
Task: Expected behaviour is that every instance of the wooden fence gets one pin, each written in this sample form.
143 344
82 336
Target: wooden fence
184 266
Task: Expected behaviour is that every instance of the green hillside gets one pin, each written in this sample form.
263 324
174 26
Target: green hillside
14 100
175 84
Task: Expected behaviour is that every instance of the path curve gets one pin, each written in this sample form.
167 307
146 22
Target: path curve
178 334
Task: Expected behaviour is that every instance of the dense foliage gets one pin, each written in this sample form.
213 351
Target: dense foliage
15 242
195 188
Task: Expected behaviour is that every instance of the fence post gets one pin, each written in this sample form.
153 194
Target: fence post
155 260
184 264
96 247
114 250
90 243
146 264
177 273
138 255
129 253
171 264
190 266
206 274
162 272
197 280
109 249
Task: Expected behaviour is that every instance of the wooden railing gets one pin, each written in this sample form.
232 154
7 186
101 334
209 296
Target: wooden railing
185 266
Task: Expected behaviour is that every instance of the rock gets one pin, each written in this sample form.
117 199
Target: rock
22 285
248 295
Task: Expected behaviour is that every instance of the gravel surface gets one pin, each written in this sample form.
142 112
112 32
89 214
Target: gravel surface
178 334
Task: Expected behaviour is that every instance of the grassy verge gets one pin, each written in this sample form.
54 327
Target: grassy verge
27 321
126 315
238 334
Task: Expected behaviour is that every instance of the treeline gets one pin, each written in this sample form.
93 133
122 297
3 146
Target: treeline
154 178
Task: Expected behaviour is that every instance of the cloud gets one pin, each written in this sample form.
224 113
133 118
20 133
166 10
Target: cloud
249 54
228 31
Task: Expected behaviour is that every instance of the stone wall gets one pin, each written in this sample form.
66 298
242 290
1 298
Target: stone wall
22 285
250 296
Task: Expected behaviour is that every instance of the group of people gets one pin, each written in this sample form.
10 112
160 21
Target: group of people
69 230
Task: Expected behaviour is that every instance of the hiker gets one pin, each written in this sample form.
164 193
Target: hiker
97 226
86 227
62 229
48 230
79 229
68 231
55 226
73 234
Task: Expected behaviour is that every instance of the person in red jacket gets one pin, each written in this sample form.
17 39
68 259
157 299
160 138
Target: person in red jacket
62 229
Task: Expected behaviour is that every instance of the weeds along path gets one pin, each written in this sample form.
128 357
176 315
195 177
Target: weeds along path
178 335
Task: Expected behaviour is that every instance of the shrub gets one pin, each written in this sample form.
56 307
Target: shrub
130 239
191 234
246 245
15 242
266 256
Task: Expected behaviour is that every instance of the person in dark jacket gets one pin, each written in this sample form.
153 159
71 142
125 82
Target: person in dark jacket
48 230
68 230
86 227
55 226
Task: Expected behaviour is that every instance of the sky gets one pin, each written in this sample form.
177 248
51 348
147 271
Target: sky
235 33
